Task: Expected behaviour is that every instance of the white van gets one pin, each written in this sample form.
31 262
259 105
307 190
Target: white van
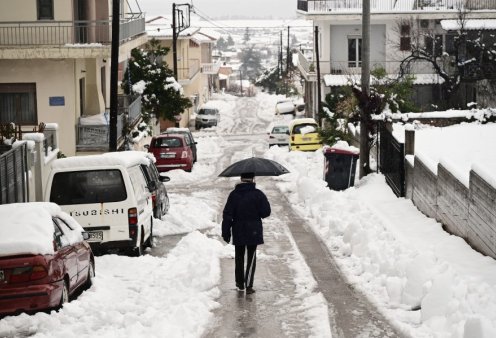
108 195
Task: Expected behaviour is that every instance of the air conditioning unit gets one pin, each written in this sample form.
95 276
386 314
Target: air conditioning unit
424 23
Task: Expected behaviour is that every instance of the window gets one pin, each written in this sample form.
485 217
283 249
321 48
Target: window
434 45
354 52
18 103
405 40
45 9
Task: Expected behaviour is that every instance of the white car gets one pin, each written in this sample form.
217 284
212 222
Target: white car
207 116
278 134
286 107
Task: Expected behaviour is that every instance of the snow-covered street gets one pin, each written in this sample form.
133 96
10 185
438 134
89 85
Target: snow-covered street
425 282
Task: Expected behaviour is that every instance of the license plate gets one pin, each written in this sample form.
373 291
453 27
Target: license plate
306 139
95 235
167 155
1 275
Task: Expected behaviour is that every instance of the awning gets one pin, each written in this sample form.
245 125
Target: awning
473 24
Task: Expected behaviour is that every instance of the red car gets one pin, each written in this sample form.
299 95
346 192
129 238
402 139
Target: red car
44 258
172 152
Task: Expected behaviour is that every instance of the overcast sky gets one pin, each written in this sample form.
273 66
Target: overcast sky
225 9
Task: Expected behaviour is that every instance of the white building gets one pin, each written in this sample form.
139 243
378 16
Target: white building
393 23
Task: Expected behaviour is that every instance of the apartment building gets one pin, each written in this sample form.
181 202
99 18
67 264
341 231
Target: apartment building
196 71
55 67
393 23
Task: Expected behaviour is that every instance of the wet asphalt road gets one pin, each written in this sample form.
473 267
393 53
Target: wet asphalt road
275 310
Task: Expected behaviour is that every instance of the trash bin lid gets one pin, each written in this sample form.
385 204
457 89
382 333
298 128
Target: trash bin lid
349 150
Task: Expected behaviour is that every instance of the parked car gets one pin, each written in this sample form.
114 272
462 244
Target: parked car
172 152
207 116
44 258
189 138
286 108
109 196
160 198
303 135
278 134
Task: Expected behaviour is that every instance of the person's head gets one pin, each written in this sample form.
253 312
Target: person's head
247 177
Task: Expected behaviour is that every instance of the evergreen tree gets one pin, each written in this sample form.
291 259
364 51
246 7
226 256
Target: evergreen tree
251 60
221 44
149 75
246 36
230 41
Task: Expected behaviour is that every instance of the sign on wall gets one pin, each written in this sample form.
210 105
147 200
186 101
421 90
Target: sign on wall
56 100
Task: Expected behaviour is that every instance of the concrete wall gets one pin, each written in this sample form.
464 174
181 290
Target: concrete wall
26 10
467 212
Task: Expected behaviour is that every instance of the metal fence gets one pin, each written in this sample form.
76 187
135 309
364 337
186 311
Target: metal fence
392 160
354 6
14 186
56 33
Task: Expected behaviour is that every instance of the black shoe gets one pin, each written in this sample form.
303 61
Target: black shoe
240 287
249 291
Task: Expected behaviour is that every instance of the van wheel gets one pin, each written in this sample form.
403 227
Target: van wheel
149 241
138 251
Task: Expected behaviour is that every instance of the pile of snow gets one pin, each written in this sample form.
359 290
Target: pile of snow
122 158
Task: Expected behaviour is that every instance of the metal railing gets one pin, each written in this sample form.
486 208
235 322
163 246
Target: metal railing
14 186
355 6
96 137
391 67
60 33
187 73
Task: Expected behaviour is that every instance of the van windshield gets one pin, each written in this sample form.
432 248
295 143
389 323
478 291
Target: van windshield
207 111
85 187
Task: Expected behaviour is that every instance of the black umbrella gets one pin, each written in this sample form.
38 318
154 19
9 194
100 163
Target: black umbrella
258 166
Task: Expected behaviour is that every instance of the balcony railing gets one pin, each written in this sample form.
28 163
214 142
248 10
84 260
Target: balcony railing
187 73
210 68
380 6
96 136
60 33
391 67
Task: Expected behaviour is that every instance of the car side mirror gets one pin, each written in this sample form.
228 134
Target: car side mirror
152 186
287 132
163 178
146 146
86 235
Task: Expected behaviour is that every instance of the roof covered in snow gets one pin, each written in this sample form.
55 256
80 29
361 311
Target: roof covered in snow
122 158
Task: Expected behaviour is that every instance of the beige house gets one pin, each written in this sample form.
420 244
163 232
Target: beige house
197 73
55 67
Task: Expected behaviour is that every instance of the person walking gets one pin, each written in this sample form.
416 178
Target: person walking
245 208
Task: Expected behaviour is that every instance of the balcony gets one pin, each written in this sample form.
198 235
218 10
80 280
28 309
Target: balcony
186 74
307 68
392 6
95 137
68 33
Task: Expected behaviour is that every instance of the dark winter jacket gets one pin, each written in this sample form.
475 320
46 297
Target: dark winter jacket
243 213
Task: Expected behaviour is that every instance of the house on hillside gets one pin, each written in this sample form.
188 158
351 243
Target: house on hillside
394 25
197 73
55 68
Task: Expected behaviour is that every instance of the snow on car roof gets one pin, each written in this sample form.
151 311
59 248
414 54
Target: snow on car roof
304 120
285 107
27 228
124 158
176 129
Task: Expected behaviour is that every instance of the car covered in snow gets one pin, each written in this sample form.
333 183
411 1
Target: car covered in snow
286 108
304 135
44 258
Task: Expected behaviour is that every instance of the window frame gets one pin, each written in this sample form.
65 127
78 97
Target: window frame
39 5
357 62
21 88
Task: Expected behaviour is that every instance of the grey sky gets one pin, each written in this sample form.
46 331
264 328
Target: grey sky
225 9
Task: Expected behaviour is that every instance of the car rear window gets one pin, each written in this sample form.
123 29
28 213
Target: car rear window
168 142
279 130
308 127
85 187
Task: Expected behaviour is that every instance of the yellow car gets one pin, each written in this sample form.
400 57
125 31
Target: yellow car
303 135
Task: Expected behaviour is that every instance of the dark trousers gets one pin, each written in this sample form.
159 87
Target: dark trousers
245 278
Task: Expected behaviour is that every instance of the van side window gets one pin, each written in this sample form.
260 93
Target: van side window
89 186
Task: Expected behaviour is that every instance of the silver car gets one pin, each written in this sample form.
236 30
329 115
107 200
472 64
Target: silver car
207 117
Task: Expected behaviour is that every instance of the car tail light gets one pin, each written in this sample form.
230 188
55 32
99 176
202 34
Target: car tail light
154 198
133 216
28 273
184 154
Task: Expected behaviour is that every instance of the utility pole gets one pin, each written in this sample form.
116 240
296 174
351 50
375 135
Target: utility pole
365 79
179 23
240 82
280 54
114 71
287 56
317 59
